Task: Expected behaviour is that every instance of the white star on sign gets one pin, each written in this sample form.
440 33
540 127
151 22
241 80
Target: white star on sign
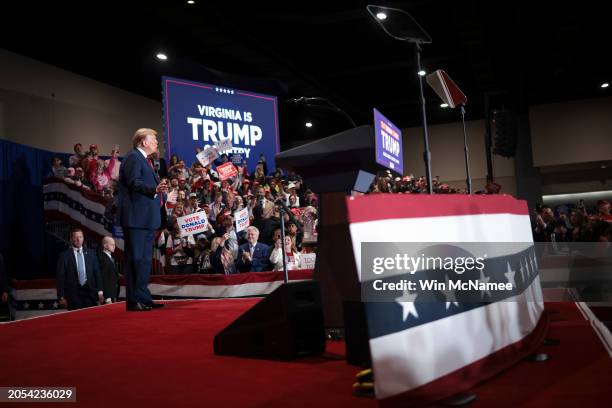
55 305
510 275
26 305
41 305
449 295
406 301
484 279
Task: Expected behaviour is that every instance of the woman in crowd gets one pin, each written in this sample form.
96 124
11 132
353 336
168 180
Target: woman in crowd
292 254
259 175
221 258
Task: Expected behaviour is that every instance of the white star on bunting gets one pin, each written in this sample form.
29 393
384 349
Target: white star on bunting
449 295
55 305
484 279
41 305
406 301
26 305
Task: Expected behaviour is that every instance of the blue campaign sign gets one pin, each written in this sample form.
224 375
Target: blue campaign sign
197 115
388 143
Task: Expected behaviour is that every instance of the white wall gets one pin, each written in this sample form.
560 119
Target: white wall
446 145
82 110
571 132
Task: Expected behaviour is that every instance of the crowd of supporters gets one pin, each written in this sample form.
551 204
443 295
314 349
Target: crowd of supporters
265 193
221 249
573 224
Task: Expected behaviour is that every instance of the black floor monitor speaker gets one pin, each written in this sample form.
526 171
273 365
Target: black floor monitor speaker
286 324
356 334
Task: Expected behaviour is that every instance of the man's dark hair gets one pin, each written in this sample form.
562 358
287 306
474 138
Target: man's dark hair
544 207
75 230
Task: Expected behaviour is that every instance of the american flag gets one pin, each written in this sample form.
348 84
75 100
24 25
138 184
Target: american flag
425 351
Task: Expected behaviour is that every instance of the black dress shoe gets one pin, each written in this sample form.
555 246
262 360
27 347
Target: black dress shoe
138 307
156 305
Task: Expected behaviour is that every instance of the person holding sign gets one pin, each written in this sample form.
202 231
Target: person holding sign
229 239
180 250
140 199
253 256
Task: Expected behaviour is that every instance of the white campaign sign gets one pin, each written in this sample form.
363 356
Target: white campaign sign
242 219
224 145
193 224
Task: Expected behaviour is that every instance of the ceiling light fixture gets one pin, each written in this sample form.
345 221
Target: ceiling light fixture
381 16
190 2
422 72
161 56
605 85
308 124
444 105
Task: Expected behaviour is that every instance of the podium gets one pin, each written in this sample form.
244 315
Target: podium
290 322
333 167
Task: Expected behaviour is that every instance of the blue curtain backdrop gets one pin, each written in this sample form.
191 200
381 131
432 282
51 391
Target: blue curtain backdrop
22 171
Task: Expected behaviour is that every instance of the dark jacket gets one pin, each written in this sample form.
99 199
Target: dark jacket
138 203
67 277
110 276
261 258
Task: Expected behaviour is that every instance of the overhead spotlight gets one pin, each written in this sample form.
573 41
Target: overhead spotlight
308 124
605 85
190 2
603 166
422 72
161 56
444 105
381 16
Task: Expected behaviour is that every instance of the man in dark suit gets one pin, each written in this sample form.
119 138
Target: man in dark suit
253 256
108 269
79 283
266 226
140 198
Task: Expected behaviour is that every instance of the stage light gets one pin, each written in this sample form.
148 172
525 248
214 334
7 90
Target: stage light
190 2
161 56
308 124
381 16
603 166
422 72
605 85
444 105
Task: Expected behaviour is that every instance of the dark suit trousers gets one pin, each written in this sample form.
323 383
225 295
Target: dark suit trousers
82 297
138 255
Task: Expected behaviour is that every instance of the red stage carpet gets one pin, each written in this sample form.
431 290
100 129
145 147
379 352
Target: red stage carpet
164 358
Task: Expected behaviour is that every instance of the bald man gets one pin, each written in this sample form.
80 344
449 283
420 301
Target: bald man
108 268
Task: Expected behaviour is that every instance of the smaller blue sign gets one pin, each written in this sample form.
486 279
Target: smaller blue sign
388 143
